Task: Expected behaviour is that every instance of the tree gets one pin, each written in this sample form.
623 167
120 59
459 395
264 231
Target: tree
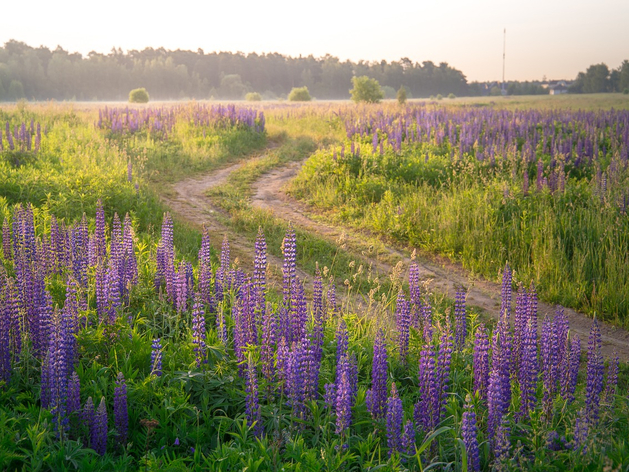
253 97
139 95
366 90
401 95
299 94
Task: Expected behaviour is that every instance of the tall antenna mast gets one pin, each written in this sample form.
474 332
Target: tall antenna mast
504 50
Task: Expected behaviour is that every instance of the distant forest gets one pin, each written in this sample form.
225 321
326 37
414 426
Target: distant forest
39 73
43 74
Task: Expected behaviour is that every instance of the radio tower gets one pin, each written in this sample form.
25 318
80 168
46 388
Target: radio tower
504 50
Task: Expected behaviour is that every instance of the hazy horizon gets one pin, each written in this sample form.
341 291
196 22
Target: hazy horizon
553 40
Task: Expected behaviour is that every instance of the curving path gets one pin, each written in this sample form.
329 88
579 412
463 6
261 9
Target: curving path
189 201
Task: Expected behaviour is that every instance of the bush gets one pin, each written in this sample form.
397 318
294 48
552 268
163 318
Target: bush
626 91
451 95
299 94
139 95
253 97
401 95
439 97
366 90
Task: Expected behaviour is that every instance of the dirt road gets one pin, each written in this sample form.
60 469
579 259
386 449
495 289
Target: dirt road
190 202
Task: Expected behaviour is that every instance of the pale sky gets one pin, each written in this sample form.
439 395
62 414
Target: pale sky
552 38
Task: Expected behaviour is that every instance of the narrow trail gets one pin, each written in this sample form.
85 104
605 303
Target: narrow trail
444 276
188 200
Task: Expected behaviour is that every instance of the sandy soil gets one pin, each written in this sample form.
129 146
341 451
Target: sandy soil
188 200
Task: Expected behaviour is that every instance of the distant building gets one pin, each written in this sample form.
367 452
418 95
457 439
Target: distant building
558 89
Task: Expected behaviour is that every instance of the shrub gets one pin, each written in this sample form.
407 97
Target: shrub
299 94
451 95
439 97
366 90
626 91
139 95
253 97
401 95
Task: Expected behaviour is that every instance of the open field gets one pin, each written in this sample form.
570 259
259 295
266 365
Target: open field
360 321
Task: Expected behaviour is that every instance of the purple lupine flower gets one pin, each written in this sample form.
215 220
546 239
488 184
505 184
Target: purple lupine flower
156 357
528 372
611 380
181 289
408 438
298 313
377 394
570 369
595 367
427 407
395 416
502 441
460 316
259 273
481 361
403 322
253 411
330 395
99 236
55 374
121 414
581 428
74 394
501 362
444 359
88 419
469 432
317 315
519 327
344 398
5 338
415 295
495 402
225 264
505 308
99 437
198 331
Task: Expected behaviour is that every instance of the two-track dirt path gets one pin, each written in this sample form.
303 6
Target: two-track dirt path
190 202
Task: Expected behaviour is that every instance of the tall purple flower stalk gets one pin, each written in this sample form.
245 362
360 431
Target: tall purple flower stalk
427 408
595 367
156 357
460 317
403 322
74 394
253 411
344 397
528 372
317 315
99 436
198 331
444 360
377 394
502 441
481 361
121 414
469 431
611 382
395 416
88 418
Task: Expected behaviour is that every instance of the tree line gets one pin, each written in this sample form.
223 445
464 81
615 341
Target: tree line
598 78
40 73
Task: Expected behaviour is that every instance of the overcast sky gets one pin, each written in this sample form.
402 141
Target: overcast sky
552 38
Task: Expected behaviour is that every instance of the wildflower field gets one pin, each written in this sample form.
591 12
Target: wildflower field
130 341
